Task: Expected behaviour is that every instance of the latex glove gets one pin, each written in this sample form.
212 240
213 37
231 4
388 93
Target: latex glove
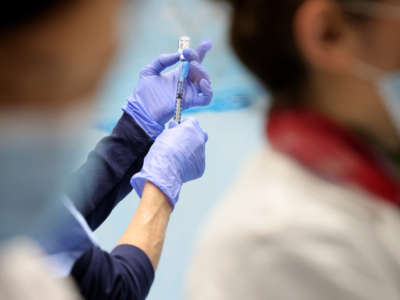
177 156
152 104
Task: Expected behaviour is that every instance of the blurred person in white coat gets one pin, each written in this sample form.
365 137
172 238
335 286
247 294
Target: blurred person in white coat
24 275
316 214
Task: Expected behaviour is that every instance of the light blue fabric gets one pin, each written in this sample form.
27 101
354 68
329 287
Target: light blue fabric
388 83
177 156
69 240
390 88
34 162
152 103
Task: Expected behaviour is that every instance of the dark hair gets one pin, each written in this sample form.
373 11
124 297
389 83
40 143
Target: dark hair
17 13
262 36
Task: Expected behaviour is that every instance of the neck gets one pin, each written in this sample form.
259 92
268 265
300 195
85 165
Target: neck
352 104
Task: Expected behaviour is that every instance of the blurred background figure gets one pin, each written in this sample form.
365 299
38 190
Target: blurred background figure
315 215
24 276
53 56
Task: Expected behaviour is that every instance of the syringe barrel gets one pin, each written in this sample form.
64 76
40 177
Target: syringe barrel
184 43
178 110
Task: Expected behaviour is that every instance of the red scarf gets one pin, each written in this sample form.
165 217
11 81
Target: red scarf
331 152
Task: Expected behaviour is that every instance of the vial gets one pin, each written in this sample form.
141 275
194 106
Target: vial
184 43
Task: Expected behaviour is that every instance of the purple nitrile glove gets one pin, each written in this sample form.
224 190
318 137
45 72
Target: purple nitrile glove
177 156
152 104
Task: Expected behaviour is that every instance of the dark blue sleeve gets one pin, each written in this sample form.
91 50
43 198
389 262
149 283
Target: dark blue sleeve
126 273
104 180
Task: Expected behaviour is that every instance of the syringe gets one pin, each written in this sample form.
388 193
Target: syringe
184 43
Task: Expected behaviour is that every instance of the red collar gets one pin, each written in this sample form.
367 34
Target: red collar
331 152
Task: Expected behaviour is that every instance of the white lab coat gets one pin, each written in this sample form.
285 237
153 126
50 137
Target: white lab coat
283 233
24 275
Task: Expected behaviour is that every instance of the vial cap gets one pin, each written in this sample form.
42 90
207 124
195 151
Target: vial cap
184 43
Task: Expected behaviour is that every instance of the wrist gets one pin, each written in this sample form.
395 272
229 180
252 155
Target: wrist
170 189
155 200
147 229
143 118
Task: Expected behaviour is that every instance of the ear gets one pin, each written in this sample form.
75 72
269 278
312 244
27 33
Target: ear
323 36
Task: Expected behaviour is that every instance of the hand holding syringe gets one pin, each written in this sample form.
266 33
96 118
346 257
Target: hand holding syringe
155 99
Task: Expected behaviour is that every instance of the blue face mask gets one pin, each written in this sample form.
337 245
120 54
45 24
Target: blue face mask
388 84
390 90
36 157
36 161
32 175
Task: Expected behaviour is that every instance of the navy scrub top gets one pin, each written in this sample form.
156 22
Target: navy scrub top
96 188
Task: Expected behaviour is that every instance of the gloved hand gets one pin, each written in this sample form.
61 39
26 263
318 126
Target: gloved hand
177 156
152 104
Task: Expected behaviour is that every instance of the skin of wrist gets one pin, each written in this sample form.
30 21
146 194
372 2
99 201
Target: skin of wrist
148 227
154 199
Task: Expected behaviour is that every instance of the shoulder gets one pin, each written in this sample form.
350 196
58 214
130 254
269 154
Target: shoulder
280 224
24 274
274 193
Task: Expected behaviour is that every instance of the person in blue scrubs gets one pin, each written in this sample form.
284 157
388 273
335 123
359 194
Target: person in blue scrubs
53 54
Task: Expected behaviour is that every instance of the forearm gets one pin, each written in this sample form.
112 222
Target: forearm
148 227
128 272
98 186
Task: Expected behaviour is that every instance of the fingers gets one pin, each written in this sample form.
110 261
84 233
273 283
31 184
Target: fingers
198 54
198 76
197 73
203 48
160 64
190 54
166 60
206 94
192 122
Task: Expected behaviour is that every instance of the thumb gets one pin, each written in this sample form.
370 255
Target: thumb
172 124
195 124
160 64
